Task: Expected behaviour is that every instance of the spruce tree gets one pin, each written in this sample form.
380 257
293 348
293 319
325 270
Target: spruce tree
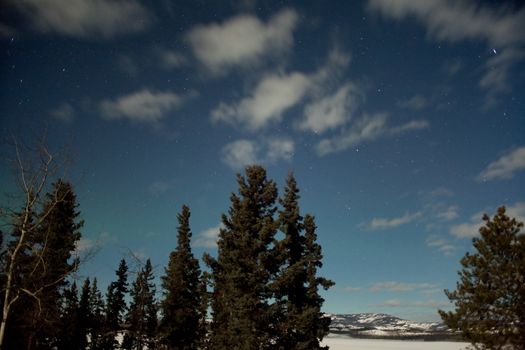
96 322
69 336
314 321
84 314
142 315
42 266
181 326
244 267
115 307
301 325
58 235
289 286
489 298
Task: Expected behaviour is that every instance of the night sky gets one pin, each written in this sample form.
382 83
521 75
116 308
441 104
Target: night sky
403 121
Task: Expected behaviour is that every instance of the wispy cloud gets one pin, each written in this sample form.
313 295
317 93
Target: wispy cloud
143 106
242 40
517 211
451 21
471 229
384 223
273 95
241 153
88 245
208 238
466 230
369 128
276 93
331 111
441 244
279 149
449 213
416 103
84 18
505 167
395 286
65 113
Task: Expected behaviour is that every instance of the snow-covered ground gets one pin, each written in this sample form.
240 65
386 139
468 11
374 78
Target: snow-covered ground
346 343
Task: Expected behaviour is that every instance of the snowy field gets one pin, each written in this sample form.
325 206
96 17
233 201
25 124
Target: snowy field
345 343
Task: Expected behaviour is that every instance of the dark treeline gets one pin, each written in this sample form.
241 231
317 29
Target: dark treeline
261 291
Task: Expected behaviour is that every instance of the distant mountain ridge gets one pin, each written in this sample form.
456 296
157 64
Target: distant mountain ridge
375 325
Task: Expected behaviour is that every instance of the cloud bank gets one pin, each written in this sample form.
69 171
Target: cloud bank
84 18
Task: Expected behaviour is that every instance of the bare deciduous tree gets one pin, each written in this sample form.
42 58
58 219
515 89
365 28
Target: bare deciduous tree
35 170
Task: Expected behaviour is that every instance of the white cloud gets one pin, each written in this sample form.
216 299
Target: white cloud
505 167
366 129
88 246
279 149
416 102
142 106
454 21
84 244
471 229
208 238
411 125
276 93
441 245
449 213
439 192
271 97
64 113
331 71
516 211
466 230
84 18
329 112
241 153
242 40
383 224
395 286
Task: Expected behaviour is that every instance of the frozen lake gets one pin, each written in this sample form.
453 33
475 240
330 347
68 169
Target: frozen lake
345 343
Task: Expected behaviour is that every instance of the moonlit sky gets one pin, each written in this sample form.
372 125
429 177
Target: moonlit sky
403 122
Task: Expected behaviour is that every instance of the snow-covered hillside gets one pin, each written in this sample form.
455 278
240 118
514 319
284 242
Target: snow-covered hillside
383 325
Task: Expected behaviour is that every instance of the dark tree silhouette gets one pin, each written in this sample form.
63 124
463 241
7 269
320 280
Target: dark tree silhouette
183 310
142 315
302 325
489 298
243 269
115 307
